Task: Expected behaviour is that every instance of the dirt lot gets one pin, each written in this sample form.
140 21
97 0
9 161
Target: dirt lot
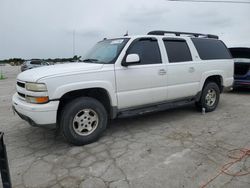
175 149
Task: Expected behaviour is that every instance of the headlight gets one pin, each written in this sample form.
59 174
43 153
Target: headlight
36 87
37 100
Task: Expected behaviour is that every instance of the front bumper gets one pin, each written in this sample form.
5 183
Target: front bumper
36 114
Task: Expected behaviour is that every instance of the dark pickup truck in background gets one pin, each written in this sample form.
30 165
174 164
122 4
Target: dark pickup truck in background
241 57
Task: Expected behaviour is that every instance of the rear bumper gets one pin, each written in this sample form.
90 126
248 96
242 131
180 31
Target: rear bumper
241 83
36 114
242 80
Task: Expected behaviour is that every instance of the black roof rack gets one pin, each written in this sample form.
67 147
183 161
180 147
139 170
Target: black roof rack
183 33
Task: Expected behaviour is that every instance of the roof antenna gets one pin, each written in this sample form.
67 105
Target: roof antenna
126 34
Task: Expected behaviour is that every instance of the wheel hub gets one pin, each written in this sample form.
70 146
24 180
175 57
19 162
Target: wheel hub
85 122
210 97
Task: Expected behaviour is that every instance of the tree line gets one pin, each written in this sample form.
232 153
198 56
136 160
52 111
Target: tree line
19 61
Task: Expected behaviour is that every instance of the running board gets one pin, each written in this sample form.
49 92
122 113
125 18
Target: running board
154 108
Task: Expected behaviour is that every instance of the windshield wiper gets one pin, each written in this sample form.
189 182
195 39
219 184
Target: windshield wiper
90 60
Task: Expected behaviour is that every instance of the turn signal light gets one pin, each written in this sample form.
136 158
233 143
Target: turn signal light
37 100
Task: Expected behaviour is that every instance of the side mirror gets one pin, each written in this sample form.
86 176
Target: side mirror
131 59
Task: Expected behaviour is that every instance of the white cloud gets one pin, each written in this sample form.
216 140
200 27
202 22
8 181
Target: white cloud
44 28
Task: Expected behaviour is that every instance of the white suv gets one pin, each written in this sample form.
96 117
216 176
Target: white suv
123 77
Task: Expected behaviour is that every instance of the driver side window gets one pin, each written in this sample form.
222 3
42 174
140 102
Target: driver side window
148 51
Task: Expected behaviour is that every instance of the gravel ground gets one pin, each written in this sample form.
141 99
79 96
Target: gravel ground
176 148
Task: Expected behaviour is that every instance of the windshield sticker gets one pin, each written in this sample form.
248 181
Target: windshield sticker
119 41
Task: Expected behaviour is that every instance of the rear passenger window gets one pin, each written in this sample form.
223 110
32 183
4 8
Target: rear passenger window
177 50
209 49
148 51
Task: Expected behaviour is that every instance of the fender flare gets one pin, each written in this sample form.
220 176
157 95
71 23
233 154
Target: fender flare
209 74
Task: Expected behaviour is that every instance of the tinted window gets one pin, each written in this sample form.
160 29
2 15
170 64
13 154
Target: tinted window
35 62
177 51
211 49
147 49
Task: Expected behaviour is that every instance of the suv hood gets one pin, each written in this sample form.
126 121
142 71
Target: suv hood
33 75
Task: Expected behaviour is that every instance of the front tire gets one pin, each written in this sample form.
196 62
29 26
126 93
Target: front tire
83 120
209 98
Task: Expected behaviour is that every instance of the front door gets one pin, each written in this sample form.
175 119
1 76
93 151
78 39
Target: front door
143 83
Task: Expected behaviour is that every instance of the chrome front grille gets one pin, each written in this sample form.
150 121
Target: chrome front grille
20 86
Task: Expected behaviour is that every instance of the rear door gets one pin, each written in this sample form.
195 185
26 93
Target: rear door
183 76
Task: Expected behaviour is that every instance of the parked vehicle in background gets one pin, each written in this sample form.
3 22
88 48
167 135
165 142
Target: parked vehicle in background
30 64
241 57
125 76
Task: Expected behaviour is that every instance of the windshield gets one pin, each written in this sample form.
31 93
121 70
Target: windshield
106 51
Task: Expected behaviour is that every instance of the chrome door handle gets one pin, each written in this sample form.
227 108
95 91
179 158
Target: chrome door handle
191 69
162 72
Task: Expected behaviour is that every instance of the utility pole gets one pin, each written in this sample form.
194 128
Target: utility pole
73 43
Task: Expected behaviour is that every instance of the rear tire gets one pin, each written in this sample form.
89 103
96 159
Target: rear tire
209 98
83 120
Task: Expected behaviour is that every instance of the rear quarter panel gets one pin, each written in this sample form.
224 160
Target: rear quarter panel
223 68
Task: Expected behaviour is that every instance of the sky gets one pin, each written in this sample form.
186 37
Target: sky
44 28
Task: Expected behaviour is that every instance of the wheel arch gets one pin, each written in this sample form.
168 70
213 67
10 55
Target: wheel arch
215 77
98 93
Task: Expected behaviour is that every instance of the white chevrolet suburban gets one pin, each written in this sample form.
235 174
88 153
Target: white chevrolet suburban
122 77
